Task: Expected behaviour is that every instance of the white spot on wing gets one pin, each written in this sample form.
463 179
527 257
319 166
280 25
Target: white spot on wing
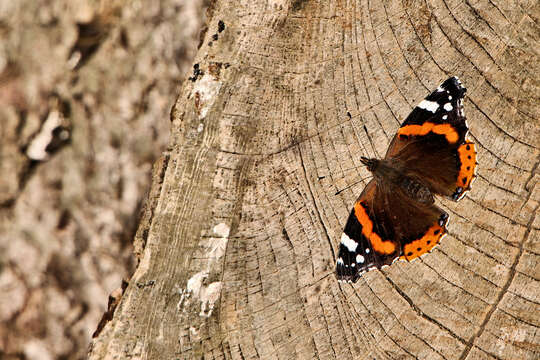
367 251
445 117
448 106
348 243
440 89
340 261
360 259
428 105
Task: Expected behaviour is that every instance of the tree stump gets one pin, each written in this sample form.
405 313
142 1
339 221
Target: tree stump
238 242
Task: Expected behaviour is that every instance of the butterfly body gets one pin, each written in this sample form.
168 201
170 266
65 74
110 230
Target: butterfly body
391 173
395 217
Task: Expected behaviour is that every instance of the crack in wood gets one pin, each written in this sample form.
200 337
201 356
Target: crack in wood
506 286
422 314
386 332
315 204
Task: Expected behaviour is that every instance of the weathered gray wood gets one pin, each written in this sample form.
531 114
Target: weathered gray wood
238 259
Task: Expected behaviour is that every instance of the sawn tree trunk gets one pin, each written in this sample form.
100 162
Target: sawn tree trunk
238 242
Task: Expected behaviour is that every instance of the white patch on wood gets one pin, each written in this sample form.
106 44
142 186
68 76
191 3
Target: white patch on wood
348 243
217 249
194 333
208 88
218 245
209 296
200 128
428 105
222 230
195 289
448 106
194 284
36 149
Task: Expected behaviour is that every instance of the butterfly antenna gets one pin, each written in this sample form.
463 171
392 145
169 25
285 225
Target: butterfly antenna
371 142
354 168
350 186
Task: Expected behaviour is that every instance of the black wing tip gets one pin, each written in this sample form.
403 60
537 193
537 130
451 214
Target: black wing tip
346 273
347 278
454 85
350 274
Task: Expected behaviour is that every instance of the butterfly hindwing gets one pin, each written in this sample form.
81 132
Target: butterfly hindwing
385 225
419 226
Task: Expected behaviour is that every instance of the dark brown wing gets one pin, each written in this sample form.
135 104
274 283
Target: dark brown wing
383 226
431 143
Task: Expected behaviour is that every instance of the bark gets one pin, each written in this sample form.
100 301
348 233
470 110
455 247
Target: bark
238 242
86 89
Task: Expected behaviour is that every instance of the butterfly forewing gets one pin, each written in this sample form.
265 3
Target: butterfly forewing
368 240
431 143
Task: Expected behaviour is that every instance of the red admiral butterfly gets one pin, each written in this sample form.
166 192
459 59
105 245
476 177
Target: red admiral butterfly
395 216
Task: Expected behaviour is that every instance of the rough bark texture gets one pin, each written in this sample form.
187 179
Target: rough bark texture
86 89
238 242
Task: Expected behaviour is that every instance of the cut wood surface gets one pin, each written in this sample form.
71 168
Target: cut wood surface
238 242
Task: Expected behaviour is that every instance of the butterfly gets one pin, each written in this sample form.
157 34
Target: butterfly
395 217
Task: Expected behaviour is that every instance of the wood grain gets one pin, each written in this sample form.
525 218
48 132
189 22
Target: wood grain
259 150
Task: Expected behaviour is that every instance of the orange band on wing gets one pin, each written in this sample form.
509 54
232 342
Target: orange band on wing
424 244
441 129
467 157
379 245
